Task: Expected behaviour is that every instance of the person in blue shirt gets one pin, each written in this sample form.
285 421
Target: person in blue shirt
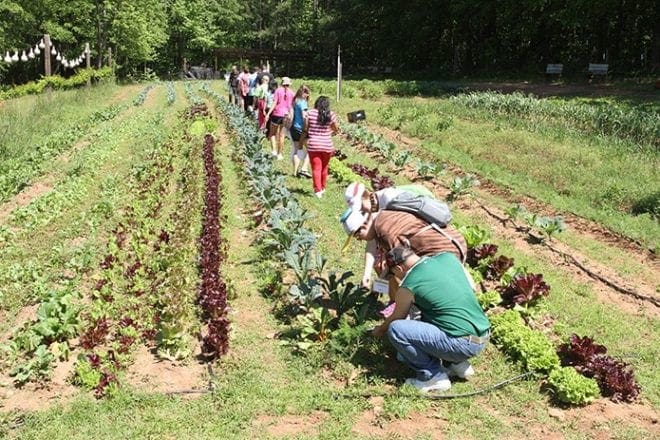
298 137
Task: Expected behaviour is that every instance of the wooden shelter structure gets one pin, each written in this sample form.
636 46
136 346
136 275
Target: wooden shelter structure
278 58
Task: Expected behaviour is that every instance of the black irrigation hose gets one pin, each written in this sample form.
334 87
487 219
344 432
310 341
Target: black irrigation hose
591 273
447 396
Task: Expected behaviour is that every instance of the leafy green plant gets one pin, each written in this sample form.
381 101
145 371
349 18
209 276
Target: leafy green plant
474 235
461 186
37 367
516 211
347 339
344 294
571 387
550 226
489 299
402 158
429 170
530 347
342 172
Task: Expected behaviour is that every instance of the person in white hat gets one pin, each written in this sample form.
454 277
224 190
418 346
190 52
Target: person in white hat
282 104
387 229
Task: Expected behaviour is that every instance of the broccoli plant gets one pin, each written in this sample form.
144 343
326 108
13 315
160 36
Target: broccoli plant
401 159
429 170
550 226
461 186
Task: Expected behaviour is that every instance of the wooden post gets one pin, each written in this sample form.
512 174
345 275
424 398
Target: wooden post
338 73
47 71
88 61
46 55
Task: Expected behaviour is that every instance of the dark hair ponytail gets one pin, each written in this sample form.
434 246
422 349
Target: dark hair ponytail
322 104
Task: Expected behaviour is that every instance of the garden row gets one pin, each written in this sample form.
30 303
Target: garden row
331 311
511 287
145 288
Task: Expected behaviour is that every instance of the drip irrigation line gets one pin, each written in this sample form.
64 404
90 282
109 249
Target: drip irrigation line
576 262
447 396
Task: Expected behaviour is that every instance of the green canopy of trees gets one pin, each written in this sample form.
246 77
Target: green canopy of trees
438 37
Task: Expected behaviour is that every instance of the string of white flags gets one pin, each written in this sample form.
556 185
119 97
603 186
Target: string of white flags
33 52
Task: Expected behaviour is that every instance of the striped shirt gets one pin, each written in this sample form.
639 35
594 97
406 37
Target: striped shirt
320 136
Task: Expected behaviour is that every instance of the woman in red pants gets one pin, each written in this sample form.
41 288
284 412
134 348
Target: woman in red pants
321 125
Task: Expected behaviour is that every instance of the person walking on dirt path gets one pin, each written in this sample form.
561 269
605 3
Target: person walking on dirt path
244 87
389 229
261 95
233 85
453 327
298 138
249 99
282 103
320 126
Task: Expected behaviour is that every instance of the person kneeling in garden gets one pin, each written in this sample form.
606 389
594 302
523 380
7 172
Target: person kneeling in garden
453 327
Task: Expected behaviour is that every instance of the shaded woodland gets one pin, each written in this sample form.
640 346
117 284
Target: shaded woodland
438 38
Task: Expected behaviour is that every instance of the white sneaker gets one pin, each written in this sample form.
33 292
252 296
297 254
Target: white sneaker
318 194
439 382
460 369
280 157
273 153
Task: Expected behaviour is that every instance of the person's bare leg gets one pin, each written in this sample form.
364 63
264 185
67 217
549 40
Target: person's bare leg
295 159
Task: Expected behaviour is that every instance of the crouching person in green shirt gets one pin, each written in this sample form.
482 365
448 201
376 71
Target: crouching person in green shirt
453 327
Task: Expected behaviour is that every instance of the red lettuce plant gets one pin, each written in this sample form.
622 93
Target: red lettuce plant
481 252
614 379
96 333
525 290
498 267
213 291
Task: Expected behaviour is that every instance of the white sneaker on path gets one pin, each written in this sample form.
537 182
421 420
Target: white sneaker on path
460 369
439 382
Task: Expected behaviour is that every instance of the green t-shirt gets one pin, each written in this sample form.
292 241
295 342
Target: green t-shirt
444 295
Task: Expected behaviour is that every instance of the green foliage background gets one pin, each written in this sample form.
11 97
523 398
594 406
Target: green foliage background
437 37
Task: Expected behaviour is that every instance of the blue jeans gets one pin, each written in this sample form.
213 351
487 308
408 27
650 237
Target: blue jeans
423 345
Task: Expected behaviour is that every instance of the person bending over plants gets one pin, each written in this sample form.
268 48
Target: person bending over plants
358 196
453 327
389 229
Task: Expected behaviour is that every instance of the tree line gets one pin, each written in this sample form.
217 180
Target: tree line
410 37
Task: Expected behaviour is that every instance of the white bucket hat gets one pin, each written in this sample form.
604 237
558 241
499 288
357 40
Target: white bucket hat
353 195
351 220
